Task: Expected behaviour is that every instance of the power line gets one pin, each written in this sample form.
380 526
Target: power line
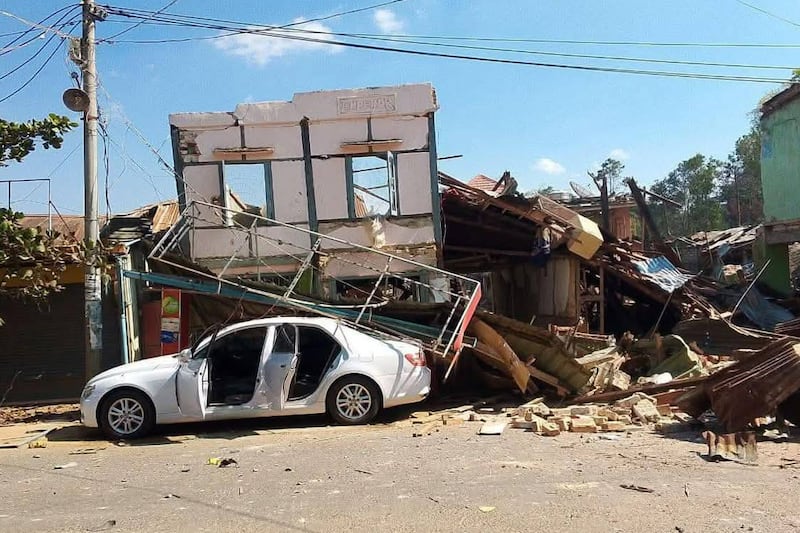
126 30
403 39
22 33
31 58
190 21
147 19
139 13
35 25
563 54
38 35
33 76
768 13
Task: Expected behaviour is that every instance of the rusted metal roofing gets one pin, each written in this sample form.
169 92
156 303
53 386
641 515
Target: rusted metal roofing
163 214
725 239
779 100
483 183
756 386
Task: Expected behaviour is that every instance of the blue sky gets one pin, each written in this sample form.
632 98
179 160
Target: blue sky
547 126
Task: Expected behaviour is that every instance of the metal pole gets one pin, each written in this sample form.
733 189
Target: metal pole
92 279
735 307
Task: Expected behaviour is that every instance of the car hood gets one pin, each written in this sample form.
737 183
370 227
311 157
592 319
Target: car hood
145 365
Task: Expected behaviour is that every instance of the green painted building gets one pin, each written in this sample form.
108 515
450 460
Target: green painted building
780 183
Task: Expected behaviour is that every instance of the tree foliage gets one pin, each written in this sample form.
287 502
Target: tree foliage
30 259
19 139
611 171
695 184
741 181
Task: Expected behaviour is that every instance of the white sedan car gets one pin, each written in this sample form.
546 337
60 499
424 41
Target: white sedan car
259 368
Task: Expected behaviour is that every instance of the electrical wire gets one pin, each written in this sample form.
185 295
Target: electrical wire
31 58
22 33
460 38
562 54
146 20
302 35
37 25
768 13
126 30
33 76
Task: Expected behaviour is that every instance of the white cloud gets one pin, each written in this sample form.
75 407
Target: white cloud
261 48
549 166
387 21
619 154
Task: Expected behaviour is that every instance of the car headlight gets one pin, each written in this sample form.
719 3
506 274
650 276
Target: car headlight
87 391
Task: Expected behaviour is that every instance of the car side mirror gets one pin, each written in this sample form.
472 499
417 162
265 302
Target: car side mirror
185 355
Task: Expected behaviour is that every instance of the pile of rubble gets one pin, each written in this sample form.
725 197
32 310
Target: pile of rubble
626 414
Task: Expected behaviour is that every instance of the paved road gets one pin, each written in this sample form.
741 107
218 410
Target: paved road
380 478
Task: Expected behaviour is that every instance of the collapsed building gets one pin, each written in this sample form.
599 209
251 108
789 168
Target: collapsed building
334 204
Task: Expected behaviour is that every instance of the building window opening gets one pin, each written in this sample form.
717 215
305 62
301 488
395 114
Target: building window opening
375 185
247 193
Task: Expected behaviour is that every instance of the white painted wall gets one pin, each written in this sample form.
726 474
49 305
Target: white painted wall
289 189
207 141
335 118
379 233
330 188
411 130
413 182
202 184
369 265
285 140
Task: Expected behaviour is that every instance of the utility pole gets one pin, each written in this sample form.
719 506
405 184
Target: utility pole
92 276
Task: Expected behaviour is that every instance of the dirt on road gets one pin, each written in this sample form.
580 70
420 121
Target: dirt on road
288 477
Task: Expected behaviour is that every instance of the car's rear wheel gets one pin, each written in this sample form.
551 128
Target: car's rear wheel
353 400
126 414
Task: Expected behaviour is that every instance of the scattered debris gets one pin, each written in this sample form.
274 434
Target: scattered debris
38 443
740 447
486 508
637 488
493 428
86 451
223 462
64 466
170 496
108 524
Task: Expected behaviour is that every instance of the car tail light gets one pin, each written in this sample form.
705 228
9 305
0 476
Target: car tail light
416 359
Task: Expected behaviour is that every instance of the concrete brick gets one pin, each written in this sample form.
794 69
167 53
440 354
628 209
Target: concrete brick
646 411
583 410
610 414
583 424
613 426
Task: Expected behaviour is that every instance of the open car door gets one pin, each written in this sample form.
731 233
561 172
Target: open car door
280 367
191 384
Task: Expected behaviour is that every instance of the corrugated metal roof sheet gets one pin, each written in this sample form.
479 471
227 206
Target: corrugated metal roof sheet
163 214
662 272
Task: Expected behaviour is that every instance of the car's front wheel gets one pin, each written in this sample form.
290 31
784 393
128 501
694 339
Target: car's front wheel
353 400
126 414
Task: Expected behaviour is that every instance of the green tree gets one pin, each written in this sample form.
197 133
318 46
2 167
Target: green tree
740 186
695 184
19 139
30 260
611 171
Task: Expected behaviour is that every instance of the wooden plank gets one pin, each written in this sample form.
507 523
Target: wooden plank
493 428
652 388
